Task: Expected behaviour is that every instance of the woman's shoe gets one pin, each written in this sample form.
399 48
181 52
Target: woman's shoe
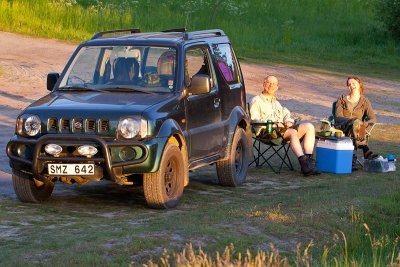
370 155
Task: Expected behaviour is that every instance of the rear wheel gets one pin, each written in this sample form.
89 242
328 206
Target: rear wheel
29 190
164 188
233 170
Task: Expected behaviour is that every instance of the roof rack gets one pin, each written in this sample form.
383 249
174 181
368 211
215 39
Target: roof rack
175 30
101 34
199 34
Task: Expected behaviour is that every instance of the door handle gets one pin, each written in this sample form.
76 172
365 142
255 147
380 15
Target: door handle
217 101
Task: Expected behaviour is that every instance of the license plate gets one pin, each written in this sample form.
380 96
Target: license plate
71 169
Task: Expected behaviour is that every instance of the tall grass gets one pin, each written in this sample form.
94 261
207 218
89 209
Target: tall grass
362 247
376 255
341 34
381 228
58 19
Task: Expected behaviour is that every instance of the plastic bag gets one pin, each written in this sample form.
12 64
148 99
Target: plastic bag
379 164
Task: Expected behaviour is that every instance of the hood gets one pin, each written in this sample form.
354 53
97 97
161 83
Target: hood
92 104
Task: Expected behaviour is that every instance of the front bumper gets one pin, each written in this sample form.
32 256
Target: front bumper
37 159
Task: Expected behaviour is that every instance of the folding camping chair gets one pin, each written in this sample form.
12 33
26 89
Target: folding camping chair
368 130
266 151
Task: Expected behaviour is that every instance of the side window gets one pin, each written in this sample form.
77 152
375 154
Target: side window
197 61
226 62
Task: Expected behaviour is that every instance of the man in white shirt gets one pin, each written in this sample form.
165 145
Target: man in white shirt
265 107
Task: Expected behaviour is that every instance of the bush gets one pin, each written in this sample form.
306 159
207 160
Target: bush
388 11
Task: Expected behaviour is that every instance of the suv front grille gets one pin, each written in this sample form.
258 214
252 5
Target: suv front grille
104 126
90 125
77 125
52 125
64 125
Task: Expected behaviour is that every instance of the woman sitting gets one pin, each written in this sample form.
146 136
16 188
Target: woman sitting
354 114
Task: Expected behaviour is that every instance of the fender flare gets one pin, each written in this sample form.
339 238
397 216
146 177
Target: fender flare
238 118
171 132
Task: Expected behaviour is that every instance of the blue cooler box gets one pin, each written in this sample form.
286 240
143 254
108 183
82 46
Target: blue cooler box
335 155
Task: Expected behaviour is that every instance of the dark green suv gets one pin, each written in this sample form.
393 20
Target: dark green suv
137 109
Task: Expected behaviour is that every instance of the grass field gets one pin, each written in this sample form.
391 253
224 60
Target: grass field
349 219
340 35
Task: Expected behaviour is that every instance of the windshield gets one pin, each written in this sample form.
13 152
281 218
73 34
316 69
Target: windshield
140 68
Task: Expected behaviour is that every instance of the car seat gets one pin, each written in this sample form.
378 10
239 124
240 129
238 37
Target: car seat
126 70
166 63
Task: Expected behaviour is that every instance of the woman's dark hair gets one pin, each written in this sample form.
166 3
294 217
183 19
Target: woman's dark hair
359 82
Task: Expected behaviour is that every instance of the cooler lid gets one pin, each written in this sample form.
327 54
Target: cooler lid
336 144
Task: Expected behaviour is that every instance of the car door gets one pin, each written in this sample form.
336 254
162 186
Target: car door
203 111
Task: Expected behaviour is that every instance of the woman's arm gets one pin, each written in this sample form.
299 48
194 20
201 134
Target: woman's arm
369 111
339 107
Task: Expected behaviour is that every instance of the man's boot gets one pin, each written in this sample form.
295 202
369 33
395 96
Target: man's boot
316 171
307 166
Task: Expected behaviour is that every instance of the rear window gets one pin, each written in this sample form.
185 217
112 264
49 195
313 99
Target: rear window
226 62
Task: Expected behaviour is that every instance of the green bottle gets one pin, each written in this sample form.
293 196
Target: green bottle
269 126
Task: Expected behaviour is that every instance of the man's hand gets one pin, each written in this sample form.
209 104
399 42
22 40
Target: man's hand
288 124
280 125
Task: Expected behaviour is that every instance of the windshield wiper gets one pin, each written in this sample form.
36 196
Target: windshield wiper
125 89
78 87
106 89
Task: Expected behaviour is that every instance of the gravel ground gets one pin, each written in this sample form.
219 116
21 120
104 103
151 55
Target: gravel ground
25 62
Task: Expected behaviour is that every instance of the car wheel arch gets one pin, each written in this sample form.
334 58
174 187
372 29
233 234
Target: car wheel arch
237 119
174 134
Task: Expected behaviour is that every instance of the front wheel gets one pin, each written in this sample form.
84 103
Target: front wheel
29 190
233 170
164 188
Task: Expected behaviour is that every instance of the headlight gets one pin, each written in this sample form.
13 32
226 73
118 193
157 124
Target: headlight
53 149
28 125
87 151
131 127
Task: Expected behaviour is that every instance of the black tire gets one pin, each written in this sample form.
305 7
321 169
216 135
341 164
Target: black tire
233 170
163 189
27 190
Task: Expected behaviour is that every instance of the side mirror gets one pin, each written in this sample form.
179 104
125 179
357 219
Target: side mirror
200 84
52 78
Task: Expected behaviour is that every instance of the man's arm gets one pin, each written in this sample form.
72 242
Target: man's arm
255 114
255 111
287 120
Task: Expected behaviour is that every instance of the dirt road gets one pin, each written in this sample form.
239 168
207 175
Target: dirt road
25 62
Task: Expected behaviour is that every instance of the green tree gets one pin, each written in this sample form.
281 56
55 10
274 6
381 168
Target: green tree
389 12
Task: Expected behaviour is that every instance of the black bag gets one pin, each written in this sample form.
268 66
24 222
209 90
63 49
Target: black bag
344 124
